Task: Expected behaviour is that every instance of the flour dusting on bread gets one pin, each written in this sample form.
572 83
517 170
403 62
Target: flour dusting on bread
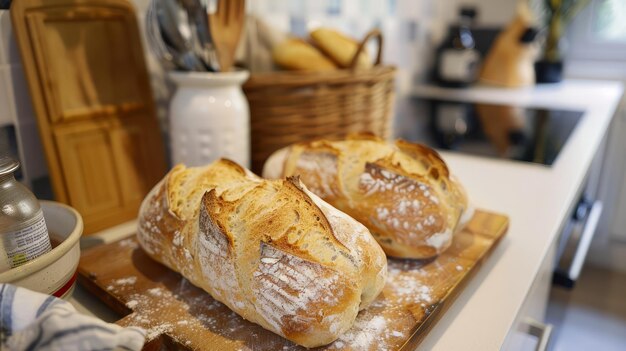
271 251
286 285
402 192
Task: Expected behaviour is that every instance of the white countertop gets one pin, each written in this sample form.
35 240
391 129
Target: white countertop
536 198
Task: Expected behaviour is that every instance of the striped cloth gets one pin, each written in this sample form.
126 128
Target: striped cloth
34 321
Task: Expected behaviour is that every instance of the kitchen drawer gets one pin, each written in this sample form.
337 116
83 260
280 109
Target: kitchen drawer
533 310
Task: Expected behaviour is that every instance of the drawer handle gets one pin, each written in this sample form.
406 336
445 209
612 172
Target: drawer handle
585 241
542 331
568 276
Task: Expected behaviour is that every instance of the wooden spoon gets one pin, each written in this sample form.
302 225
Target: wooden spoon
226 25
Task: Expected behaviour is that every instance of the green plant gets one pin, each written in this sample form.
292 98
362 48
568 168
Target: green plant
558 14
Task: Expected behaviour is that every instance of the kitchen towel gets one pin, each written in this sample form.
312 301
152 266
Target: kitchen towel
35 321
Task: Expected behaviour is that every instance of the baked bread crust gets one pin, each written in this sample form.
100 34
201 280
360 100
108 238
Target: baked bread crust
403 192
270 250
298 55
340 48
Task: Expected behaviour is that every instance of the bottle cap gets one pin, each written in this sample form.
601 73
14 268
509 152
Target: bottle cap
468 11
8 165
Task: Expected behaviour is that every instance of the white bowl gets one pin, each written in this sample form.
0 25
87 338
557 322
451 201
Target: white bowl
53 273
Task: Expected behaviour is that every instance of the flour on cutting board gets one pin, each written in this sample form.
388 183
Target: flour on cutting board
129 243
129 281
188 314
373 327
153 311
126 281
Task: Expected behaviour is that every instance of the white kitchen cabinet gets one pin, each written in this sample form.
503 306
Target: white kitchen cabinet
609 247
617 229
533 308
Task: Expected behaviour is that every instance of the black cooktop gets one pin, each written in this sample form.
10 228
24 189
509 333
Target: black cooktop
527 134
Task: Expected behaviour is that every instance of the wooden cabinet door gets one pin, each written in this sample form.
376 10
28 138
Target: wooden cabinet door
89 86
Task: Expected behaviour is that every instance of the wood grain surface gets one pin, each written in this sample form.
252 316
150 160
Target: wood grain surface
177 315
90 90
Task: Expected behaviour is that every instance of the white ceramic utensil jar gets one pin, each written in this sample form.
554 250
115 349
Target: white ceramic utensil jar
209 118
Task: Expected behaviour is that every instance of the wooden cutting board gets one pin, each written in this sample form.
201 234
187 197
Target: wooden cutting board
91 94
178 315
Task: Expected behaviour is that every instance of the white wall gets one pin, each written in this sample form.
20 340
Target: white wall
491 12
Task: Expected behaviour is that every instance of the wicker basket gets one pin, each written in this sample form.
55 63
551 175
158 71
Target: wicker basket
290 107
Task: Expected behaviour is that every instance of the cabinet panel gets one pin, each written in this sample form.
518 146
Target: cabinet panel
89 168
135 150
534 307
83 54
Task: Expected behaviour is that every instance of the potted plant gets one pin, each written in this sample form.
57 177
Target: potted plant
557 15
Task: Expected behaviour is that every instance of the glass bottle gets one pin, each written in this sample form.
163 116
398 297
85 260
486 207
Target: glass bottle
23 232
457 59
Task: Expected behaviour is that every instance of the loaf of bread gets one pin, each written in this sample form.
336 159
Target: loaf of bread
340 48
298 55
402 192
270 250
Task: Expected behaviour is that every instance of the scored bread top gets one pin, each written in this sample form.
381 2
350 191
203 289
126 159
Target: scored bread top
402 192
270 250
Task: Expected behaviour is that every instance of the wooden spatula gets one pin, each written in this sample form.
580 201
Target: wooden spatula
226 25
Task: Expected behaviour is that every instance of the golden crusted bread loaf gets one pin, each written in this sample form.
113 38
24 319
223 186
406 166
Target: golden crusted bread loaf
402 192
298 55
270 250
340 48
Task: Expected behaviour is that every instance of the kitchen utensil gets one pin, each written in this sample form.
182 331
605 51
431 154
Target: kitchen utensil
417 294
226 25
177 34
91 94
209 118
203 45
54 272
164 53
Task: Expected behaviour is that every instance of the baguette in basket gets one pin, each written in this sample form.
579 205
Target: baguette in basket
287 107
331 50
402 192
270 250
